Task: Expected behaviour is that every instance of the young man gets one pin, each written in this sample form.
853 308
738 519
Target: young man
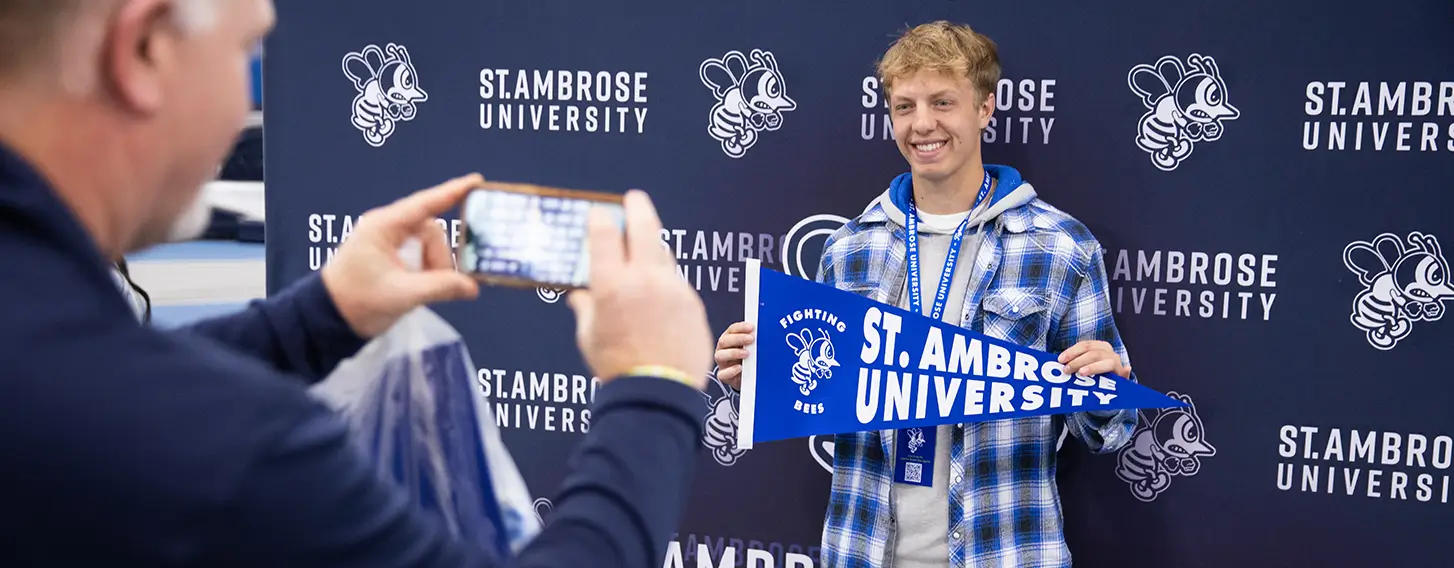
1025 272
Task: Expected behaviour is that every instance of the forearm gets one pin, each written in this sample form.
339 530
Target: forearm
1089 318
629 479
297 331
312 499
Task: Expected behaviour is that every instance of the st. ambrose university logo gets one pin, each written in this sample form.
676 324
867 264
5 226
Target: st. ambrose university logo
803 246
1186 104
388 90
812 345
719 428
916 440
549 295
1167 443
751 98
801 251
811 342
1404 282
816 358
543 507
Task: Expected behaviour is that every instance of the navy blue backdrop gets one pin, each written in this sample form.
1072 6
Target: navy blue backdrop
1275 258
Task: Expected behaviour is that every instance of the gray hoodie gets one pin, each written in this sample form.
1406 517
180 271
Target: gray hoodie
922 514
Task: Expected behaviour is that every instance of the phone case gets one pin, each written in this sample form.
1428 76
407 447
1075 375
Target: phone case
533 234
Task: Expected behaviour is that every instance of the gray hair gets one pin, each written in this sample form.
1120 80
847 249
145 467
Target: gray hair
29 29
195 16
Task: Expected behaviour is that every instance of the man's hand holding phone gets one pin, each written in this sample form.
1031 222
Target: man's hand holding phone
372 287
635 312
638 311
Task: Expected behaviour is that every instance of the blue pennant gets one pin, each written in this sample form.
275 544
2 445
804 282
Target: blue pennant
827 361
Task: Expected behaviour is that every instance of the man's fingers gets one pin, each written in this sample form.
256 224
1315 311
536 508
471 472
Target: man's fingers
643 229
427 204
728 357
580 302
731 340
1099 367
1075 351
739 327
1093 363
1083 347
438 254
1075 365
584 306
438 286
606 247
729 374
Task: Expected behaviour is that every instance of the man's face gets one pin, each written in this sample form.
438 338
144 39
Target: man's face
203 79
937 122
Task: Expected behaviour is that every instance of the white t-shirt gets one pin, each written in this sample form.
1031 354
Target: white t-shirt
922 513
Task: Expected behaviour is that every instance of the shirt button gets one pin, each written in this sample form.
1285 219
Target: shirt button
1015 310
955 535
958 478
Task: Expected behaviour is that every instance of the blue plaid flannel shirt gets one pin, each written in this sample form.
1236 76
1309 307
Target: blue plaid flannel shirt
1039 281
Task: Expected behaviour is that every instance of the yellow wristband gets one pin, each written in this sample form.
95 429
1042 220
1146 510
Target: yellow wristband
661 372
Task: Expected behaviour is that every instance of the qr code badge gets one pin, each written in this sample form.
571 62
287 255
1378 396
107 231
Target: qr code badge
914 472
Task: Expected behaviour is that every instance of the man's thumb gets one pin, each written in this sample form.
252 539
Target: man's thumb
584 306
439 286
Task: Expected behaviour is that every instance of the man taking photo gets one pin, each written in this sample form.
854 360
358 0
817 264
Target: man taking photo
122 445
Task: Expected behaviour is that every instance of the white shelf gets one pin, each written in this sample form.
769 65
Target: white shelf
245 197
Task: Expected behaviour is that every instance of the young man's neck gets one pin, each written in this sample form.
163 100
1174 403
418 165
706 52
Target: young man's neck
952 195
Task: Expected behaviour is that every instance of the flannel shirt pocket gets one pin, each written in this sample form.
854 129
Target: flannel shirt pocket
1018 315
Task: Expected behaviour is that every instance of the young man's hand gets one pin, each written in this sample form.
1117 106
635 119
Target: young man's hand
1092 357
731 351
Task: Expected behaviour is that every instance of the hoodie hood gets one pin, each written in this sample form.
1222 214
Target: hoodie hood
1011 191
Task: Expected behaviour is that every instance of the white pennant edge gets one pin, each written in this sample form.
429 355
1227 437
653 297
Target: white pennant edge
747 407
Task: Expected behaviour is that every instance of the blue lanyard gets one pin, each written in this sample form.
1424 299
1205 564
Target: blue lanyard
916 305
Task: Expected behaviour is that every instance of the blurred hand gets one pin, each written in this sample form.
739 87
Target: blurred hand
731 351
371 284
638 309
1090 358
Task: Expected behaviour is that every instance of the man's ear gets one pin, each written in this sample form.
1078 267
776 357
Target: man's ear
986 110
138 50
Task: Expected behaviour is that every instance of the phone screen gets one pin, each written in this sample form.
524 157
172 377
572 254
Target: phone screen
530 236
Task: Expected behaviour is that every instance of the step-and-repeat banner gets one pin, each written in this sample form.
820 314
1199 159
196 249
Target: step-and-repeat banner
1271 182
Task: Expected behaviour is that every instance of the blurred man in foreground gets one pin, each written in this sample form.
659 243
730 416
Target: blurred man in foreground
129 446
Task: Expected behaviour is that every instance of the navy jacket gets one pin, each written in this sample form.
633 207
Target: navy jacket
127 446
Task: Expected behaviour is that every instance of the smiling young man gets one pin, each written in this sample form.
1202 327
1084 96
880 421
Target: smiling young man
1024 271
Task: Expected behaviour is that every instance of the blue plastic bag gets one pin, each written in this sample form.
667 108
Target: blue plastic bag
409 398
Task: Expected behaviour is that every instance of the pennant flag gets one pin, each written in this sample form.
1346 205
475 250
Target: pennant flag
827 361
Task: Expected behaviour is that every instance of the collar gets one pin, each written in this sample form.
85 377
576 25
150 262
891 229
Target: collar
1014 220
1019 219
31 206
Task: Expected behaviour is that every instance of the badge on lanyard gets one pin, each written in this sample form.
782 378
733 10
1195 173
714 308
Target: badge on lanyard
914 456
915 446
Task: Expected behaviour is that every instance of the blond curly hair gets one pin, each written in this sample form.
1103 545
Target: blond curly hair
946 47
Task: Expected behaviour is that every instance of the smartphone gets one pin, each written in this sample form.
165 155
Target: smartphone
530 236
